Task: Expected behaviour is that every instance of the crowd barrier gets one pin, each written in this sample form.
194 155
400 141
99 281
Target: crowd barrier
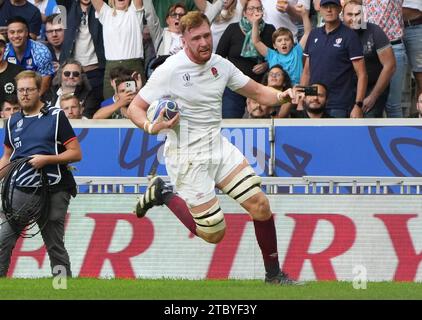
346 199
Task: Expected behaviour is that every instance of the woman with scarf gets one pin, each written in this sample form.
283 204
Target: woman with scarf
236 45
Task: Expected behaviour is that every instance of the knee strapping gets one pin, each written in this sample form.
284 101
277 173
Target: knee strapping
244 185
211 220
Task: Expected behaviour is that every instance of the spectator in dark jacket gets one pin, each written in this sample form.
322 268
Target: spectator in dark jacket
84 42
71 79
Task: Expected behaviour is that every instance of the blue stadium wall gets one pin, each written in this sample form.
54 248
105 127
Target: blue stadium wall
302 147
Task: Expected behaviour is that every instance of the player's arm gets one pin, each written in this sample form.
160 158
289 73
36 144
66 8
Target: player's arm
137 112
5 160
265 95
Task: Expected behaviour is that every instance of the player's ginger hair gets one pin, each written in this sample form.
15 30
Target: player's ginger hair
192 19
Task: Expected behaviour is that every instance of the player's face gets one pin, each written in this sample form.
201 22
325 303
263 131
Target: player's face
28 93
71 108
352 16
316 102
55 34
330 12
17 34
9 109
198 43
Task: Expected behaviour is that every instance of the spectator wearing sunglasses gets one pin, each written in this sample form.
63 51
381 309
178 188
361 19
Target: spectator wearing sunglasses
71 79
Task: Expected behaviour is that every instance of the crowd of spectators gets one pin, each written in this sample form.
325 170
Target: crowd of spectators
94 55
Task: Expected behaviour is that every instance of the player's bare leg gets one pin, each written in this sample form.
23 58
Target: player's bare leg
246 184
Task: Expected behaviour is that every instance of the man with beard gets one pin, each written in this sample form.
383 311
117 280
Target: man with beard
313 106
198 158
71 79
334 56
379 58
45 135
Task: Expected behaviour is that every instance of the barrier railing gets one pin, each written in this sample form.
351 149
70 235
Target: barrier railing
275 185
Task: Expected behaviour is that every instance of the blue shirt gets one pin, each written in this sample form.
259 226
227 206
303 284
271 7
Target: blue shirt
108 102
36 57
330 62
45 134
28 11
291 62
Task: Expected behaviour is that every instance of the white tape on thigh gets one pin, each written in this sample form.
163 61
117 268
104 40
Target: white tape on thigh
211 220
244 185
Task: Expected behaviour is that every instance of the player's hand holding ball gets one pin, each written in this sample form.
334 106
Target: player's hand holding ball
162 114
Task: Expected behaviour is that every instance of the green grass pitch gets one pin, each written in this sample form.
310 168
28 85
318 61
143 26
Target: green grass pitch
169 289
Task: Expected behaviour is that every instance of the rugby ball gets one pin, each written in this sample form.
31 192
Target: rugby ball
170 106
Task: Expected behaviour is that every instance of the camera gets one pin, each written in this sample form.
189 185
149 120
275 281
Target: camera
309 90
130 86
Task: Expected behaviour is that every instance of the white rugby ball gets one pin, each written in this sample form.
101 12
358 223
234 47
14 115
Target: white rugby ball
154 109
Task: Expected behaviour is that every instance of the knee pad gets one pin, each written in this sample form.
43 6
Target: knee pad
211 220
244 185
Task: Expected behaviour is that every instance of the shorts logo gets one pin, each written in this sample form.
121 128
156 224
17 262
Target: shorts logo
315 40
338 42
186 79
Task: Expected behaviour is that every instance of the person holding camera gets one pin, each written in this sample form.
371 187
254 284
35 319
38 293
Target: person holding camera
312 100
126 89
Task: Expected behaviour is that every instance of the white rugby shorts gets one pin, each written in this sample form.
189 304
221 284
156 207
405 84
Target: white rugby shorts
195 175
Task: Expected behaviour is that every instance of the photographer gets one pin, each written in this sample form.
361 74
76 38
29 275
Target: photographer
313 102
126 89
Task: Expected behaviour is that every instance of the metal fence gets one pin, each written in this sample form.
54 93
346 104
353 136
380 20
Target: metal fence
275 185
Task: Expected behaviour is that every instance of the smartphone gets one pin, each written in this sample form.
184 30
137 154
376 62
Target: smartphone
309 90
131 86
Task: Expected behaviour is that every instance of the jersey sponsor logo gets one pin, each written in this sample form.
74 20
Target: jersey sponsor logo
186 79
338 42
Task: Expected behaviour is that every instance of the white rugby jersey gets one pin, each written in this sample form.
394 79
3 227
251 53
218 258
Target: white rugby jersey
198 90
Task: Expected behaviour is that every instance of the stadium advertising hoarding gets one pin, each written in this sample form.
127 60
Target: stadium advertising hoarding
320 237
